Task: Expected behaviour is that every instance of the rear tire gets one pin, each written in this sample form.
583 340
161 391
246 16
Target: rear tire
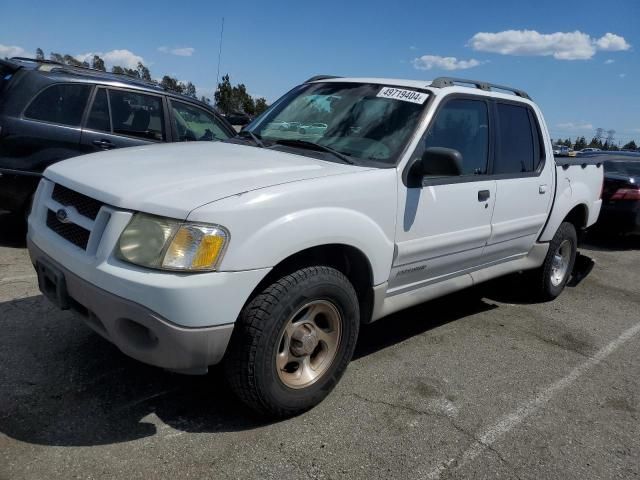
549 280
293 341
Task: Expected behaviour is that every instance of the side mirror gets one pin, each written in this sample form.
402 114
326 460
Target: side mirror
441 162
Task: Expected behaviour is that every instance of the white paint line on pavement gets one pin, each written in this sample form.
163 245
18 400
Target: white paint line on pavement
19 277
489 436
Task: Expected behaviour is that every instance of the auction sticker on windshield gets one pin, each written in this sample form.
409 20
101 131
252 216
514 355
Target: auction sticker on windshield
404 95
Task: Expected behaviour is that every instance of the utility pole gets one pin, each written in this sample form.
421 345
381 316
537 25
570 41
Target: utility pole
219 54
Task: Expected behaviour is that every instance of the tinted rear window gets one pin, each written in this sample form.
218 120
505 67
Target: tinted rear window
515 149
631 169
63 104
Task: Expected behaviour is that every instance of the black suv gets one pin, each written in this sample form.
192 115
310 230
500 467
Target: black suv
50 112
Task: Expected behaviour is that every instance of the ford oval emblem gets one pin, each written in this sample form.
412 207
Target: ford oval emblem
62 216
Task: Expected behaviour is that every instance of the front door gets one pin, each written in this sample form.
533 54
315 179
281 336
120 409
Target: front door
443 226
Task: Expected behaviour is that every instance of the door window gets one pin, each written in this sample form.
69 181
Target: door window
62 104
99 113
515 146
192 123
463 125
137 115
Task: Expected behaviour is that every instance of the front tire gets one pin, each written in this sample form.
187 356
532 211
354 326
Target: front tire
293 341
551 278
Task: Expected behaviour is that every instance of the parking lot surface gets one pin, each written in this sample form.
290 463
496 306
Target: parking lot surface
481 384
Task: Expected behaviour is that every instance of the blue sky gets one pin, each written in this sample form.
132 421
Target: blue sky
558 51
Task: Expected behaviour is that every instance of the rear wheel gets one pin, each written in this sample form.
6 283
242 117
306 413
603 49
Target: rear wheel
293 341
551 278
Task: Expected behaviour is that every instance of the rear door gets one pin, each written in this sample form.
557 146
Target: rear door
524 182
48 129
121 118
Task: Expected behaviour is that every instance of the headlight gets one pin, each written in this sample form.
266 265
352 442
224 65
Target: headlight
169 244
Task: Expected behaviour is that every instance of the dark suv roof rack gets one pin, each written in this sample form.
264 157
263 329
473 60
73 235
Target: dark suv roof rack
441 82
35 60
321 77
82 70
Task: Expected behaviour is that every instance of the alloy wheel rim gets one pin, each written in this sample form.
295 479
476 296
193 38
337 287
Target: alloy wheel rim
560 263
308 344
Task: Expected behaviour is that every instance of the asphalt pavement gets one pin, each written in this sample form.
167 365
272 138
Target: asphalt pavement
480 384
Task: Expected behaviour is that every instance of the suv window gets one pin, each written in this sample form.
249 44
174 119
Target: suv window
99 113
463 125
515 140
137 115
62 103
193 123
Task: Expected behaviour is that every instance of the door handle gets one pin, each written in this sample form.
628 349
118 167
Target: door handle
483 195
103 144
542 189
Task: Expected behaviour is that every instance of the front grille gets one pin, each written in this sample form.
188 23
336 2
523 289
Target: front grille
86 206
74 233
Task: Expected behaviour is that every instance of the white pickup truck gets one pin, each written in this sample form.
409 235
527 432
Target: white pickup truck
267 252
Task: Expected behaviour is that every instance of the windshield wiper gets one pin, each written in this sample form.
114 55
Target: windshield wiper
314 146
252 136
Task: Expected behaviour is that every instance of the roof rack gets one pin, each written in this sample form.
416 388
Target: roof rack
35 60
73 69
321 77
441 82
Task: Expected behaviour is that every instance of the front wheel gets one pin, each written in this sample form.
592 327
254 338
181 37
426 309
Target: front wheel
550 279
293 341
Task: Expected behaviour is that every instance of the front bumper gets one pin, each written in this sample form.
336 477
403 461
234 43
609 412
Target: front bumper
138 331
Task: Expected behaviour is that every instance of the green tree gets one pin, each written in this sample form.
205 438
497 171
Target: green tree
56 57
98 64
172 84
568 143
206 100
190 90
39 54
261 105
595 143
243 99
224 96
143 72
630 146
74 62
581 143
230 99
117 69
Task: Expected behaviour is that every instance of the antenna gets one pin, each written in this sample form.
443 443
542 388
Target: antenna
219 54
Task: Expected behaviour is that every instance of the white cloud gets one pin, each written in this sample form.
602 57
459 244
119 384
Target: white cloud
622 75
123 58
612 43
609 61
11 51
575 126
427 62
181 52
413 47
561 45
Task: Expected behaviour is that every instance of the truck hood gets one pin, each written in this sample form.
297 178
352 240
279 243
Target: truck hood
173 179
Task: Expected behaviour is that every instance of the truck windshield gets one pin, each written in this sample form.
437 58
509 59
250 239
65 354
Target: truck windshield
361 121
